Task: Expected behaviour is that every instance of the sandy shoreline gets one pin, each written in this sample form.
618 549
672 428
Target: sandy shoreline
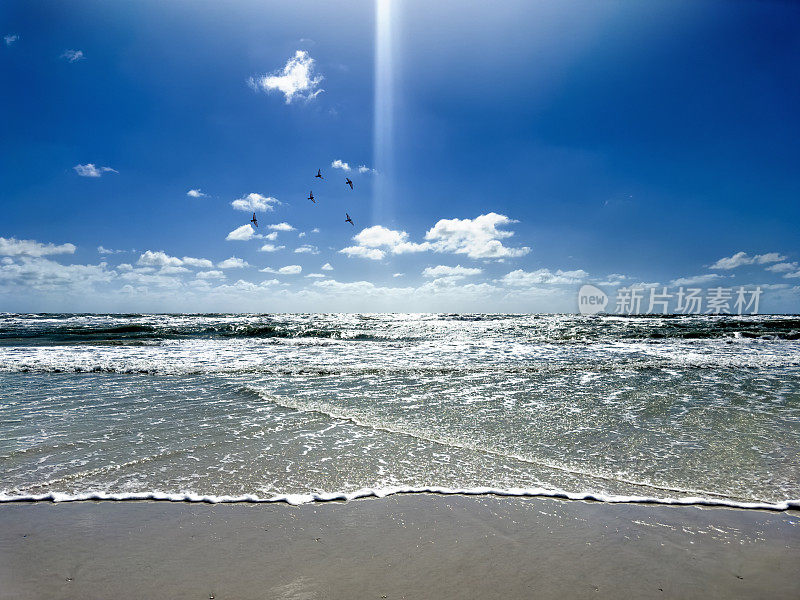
409 546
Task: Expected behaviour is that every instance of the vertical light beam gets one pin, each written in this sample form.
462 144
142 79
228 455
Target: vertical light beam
383 114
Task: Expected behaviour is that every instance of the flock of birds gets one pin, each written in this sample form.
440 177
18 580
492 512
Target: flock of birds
347 181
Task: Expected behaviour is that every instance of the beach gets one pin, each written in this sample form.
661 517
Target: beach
403 546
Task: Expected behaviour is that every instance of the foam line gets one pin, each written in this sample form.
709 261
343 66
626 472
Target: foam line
298 499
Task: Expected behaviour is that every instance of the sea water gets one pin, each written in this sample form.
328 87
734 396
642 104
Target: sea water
678 409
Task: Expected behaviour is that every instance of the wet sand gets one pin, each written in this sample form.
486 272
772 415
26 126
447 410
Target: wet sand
408 546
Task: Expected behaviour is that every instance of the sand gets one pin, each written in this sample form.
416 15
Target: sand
407 546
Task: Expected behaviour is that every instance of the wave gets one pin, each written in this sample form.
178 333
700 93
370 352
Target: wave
297 499
556 329
158 365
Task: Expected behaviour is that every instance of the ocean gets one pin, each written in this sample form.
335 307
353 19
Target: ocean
298 408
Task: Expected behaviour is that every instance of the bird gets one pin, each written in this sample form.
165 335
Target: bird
348 182
254 221
349 220
311 197
319 174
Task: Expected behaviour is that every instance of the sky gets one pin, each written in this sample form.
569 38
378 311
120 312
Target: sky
502 155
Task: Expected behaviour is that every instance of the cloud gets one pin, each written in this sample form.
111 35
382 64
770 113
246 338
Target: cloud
104 250
338 164
45 275
89 170
287 270
783 267
254 202
195 193
232 263
365 169
200 263
210 275
457 272
363 252
307 249
477 238
10 38
281 227
742 258
271 248
697 279
73 55
327 267
15 247
316 275
520 278
398 275
241 234
271 236
295 80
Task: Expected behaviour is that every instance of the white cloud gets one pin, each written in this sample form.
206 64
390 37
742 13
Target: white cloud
520 278
307 249
365 169
477 238
253 202
45 275
697 279
104 250
175 264
90 170
281 227
315 230
210 275
271 236
363 252
73 55
287 270
232 263
457 272
10 38
241 234
158 259
783 267
742 258
15 247
316 275
271 248
338 164
327 267
398 275
200 263
295 80
195 193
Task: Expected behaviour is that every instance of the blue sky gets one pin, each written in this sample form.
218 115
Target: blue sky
518 151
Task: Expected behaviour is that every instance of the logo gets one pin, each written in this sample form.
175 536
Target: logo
591 300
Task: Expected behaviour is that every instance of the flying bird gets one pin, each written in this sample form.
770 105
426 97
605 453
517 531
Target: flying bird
349 220
254 221
348 182
311 197
319 174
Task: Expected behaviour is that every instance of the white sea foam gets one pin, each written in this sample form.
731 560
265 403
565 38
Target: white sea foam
298 499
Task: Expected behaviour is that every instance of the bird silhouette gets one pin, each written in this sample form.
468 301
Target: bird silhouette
311 197
349 220
319 174
348 182
254 221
